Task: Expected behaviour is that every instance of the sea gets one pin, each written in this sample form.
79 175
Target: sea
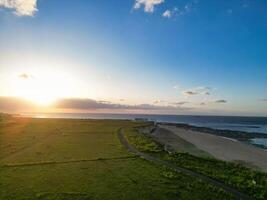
235 123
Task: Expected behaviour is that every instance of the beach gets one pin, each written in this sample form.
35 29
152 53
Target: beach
216 146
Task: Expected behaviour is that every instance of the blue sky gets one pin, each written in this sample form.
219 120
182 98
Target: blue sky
184 55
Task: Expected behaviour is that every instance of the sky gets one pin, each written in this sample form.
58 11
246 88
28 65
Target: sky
204 57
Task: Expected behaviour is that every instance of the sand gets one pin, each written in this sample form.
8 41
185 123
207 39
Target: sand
174 143
223 148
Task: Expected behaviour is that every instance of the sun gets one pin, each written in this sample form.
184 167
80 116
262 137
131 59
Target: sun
41 99
43 86
38 94
39 90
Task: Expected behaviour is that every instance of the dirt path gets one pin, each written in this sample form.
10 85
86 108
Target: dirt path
214 182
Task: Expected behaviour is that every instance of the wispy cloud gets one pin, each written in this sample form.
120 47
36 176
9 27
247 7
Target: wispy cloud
189 93
158 101
201 90
220 101
167 14
20 7
106 102
170 12
147 4
187 8
263 99
25 76
180 103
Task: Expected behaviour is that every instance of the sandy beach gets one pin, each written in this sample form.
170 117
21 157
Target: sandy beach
219 147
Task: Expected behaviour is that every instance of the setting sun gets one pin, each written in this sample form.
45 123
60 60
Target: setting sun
41 88
39 99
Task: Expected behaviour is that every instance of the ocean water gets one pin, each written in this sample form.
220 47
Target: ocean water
260 141
248 124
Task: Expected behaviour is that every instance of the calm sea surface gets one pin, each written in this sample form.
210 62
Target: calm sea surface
248 124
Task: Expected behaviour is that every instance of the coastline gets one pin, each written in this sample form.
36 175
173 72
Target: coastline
217 146
241 136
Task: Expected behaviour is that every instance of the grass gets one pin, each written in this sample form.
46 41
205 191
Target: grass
253 183
56 159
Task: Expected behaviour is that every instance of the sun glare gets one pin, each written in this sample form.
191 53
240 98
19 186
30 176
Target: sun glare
42 100
41 89
38 94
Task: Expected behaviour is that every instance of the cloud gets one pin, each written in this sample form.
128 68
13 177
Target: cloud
75 103
20 7
90 104
220 101
263 99
148 4
189 93
187 8
180 103
25 76
158 101
13 104
16 105
167 14
203 90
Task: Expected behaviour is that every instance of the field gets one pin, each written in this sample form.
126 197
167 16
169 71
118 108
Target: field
250 182
84 159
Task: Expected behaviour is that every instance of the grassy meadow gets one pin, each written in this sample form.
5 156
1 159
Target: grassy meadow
251 182
64 159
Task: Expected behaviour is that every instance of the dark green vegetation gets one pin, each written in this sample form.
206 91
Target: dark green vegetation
57 159
253 183
238 135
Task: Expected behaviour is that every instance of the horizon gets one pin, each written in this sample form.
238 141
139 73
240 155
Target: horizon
66 114
184 57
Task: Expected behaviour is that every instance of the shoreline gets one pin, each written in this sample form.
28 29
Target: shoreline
217 146
241 136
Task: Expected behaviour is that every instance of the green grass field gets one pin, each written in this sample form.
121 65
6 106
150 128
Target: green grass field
81 160
250 182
